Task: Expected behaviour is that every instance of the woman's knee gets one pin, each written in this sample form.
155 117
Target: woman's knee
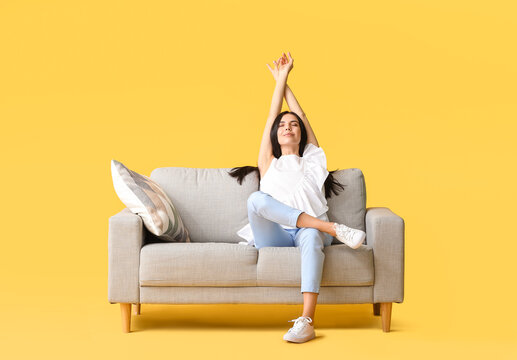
255 199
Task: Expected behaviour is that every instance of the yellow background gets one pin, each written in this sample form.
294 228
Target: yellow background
420 95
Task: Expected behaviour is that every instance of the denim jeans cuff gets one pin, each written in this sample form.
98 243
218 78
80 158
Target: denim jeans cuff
310 290
294 217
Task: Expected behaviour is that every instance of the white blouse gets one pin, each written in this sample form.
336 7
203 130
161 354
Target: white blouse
297 182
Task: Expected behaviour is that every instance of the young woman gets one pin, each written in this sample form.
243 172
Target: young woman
290 209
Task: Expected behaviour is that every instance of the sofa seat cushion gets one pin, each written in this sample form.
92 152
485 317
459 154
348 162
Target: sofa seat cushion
343 266
198 264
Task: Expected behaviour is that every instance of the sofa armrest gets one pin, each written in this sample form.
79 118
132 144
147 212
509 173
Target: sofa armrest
126 237
385 233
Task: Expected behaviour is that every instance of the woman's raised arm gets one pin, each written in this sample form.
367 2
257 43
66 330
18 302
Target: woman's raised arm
278 95
293 104
295 107
266 148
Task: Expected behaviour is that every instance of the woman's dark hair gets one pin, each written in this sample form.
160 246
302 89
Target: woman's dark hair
241 172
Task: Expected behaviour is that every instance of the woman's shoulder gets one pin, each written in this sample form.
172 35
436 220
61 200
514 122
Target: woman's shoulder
263 169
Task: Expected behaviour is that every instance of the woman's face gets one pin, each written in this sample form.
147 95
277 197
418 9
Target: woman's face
289 132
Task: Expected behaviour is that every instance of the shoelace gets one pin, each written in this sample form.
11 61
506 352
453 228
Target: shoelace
299 323
344 232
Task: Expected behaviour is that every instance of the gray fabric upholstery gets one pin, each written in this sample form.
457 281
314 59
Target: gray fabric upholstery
212 204
385 233
252 295
349 206
220 264
343 266
213 268
125 240
198 264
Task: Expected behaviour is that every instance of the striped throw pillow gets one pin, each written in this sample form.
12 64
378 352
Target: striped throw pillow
145 198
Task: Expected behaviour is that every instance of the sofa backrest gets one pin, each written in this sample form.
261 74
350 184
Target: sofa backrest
213 205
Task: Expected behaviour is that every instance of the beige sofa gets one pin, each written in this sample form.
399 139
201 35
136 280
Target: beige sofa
216 268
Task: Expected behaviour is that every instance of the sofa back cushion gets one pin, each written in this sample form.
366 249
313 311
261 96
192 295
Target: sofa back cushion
213 205
349 206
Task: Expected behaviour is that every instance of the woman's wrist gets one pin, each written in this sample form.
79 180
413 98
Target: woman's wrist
282 76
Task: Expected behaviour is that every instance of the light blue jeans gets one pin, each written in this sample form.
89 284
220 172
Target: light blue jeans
265 215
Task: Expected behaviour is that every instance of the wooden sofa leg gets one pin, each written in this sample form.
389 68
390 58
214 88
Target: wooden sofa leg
376 309
137 309
386 316
125 310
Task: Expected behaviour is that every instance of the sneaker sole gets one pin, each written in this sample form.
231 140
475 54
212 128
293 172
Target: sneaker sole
299 340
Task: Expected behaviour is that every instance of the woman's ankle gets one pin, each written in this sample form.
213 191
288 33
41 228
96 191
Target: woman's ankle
329 228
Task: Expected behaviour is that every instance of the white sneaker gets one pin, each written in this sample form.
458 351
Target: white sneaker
351 237
301 331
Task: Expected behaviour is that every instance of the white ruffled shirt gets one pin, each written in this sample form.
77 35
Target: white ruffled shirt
297 182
